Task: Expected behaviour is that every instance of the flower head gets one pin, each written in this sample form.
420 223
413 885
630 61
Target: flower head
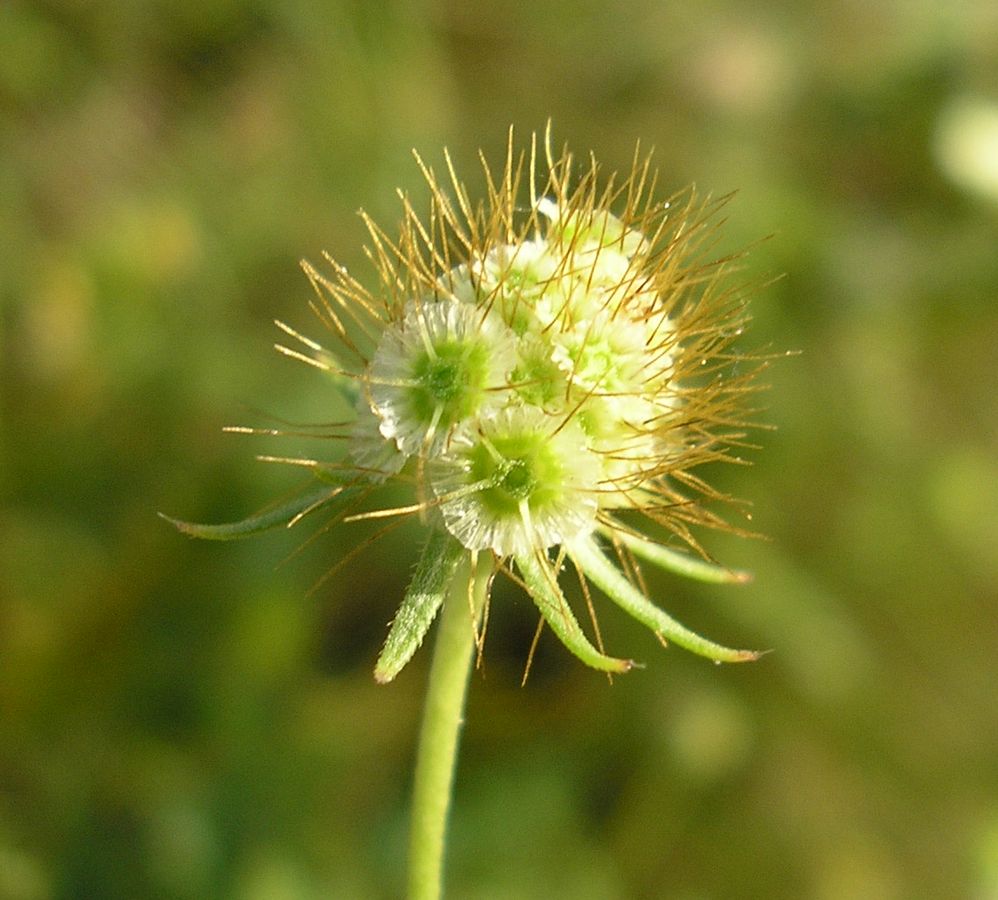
517 483
546 371
445 364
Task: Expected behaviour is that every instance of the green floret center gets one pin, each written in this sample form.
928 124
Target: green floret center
519 482
597 363
452 380
522 467
518 291
538 379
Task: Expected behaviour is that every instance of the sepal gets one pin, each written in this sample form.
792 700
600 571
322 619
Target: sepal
284 514
422 601
679 563
542 585
608 578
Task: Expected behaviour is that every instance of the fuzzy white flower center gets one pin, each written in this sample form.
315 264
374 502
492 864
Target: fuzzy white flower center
531 389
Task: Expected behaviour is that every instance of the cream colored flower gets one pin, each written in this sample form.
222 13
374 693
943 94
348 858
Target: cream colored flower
543 374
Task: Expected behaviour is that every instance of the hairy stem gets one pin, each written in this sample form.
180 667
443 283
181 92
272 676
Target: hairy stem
438 740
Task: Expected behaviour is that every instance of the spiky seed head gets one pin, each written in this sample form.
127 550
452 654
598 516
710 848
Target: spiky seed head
542 368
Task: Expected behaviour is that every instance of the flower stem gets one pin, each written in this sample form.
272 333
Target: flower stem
438 739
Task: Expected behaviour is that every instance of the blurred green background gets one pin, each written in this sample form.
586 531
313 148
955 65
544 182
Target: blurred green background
188 720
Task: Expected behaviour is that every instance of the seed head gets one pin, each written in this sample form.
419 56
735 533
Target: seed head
545 370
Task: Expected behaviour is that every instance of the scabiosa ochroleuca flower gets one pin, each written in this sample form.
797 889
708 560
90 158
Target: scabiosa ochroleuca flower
545 370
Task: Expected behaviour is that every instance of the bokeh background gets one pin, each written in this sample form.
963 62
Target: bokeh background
188 720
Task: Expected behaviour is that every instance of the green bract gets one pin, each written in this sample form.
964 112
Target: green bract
543 372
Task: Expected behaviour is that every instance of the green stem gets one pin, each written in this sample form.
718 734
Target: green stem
438 739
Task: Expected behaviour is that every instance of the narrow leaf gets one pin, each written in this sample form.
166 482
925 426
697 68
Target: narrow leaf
426 592
680 563
606 576
544 590
271 518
